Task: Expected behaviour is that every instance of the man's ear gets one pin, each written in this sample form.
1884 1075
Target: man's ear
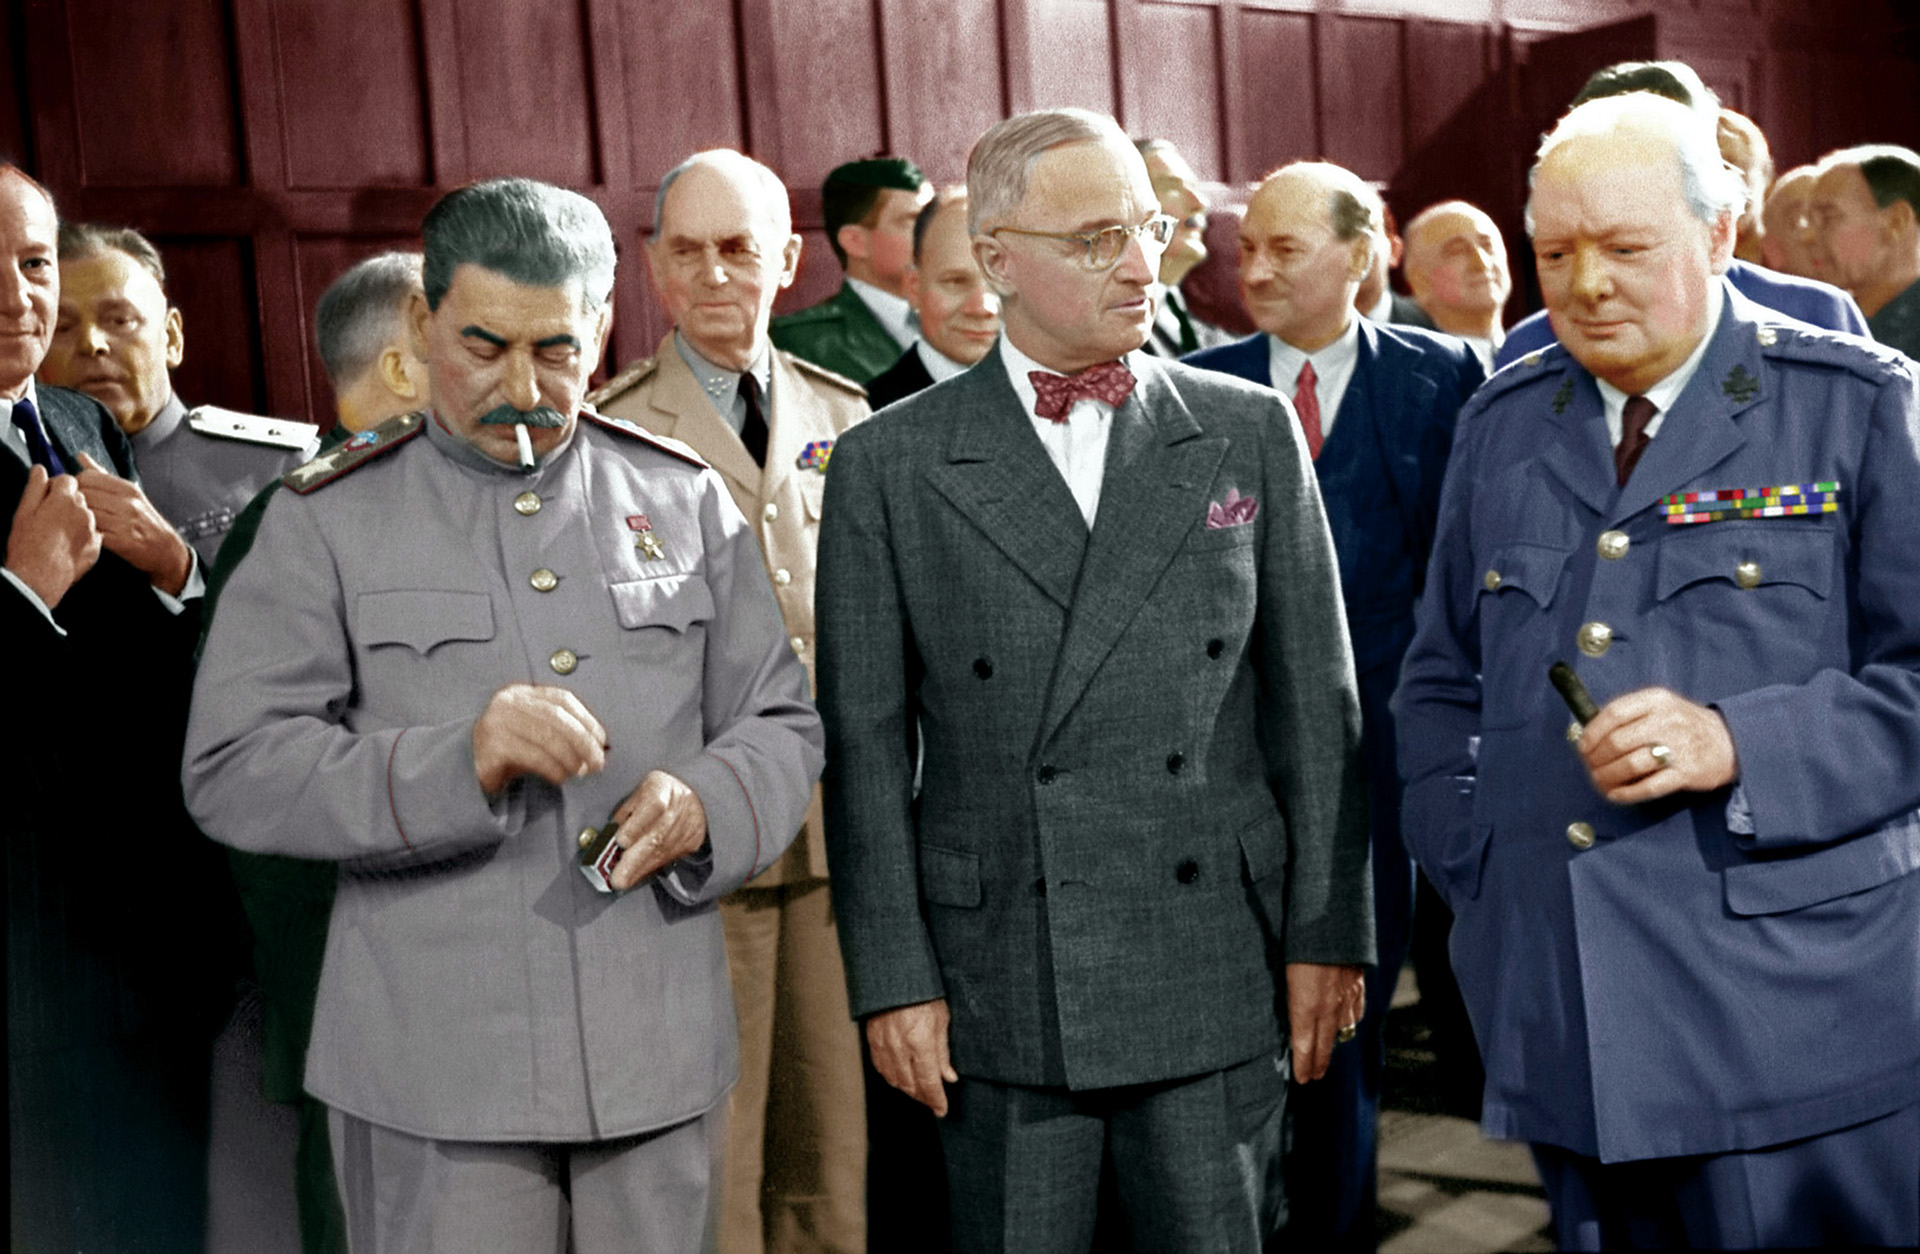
1360 264
391 367
176 338
603 323
1720 240
991 256
854 240
1899 220
419 322
790 260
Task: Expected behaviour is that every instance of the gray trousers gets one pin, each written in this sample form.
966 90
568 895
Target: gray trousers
1196 1162
412 1195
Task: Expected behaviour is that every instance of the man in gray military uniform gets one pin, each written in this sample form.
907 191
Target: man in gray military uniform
116 340
575 641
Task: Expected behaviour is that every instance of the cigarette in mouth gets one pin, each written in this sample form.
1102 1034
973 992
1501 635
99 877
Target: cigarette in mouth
526 445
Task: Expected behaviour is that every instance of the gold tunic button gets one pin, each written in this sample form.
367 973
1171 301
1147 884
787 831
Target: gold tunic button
1573 732
544 580
770 512
781 578
799 644
1747 574
563 661
588 836
1580 835
1490 580
1614 545
527 504
1595 638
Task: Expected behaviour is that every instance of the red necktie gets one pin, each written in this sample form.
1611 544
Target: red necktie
1055 394
1634 439
1306 402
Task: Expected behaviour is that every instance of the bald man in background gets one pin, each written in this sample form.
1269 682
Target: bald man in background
1744 147
1783 247
959 314
1456 264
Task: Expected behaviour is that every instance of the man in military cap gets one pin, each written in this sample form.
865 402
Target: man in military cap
959 314
573 655
1685 930
723 246
1176 328
1864 234
117 339
867 209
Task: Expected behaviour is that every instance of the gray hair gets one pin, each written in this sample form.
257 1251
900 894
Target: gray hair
79 240
360 313
1001 160
528 231
1711 186
727 161
1354 206
1891 172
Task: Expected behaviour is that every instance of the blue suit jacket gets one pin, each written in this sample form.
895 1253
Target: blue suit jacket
1811 301
1680 987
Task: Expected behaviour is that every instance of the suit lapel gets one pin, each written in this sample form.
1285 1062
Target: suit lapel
686 414
1700 432
794 419
1384 400
1153 493
867 339
998 475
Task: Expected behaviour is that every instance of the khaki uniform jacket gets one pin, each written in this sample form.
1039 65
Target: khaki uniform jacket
809 407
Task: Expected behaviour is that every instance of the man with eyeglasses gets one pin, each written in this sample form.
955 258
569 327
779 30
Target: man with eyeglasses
1093 594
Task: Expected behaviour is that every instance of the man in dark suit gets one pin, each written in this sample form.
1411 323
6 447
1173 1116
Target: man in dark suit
1377 406
115 985
1176 328
1099 590
959 314
867 209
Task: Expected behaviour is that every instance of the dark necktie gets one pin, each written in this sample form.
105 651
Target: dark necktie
1306 402
1634 439
39 447
753 432
1189 342
1056 394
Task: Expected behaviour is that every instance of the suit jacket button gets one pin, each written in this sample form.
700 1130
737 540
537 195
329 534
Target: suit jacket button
544 580
1174 762
1040 887
1594 638
1216 647
771 512
1187 872
983 667
782 577
564 661
1580 835
527 504
1613 545
1046 773
1747 574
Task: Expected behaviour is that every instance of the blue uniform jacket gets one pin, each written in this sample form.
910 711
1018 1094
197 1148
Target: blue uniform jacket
1679 987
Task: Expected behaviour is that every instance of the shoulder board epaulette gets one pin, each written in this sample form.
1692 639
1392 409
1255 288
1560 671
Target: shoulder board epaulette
1864 357
634 431
357 451
823 374
1535 367
613 389
226 424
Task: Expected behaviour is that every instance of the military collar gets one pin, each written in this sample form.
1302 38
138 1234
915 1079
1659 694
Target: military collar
459 450
164 424
1664 393
720 384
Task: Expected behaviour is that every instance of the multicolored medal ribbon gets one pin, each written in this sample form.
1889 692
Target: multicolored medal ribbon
1780 501
815 456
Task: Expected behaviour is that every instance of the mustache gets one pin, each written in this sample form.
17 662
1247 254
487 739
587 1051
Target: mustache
508 416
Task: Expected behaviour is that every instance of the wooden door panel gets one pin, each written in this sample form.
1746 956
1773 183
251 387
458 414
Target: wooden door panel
1173 82
944 68
350 79
524 84
154 94
825 77
211 280
1362 125
1276 78
682 82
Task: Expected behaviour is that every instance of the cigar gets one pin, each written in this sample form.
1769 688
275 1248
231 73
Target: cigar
526 446
1573 692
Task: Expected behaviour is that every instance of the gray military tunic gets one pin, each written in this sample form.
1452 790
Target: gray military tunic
201 467
476 987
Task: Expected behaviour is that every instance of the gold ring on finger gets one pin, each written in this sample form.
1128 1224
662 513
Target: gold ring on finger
1661 755
1347 1033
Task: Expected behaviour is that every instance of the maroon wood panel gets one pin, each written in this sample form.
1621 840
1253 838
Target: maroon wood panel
1278 94
15 141
682 82
1172 81
525 89
352 99
154 94
319 260
944 73
1071 50
1361 69
831 105
1864 98
1448 63
1787 119
212 283
820 273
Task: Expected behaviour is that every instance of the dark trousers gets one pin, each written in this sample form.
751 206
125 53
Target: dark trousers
1195 1162
1859 1186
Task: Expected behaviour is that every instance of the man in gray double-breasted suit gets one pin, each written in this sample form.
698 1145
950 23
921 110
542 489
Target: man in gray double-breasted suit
1100 591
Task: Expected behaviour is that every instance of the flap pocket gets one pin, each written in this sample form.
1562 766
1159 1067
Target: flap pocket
1263 846
949 877
813 489
421 618
1530 568
1777 885
672 601
1746 555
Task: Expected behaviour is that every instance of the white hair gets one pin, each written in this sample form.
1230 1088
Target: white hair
1003 157
1710 186
773 193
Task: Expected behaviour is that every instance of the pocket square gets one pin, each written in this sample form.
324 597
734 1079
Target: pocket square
1235 511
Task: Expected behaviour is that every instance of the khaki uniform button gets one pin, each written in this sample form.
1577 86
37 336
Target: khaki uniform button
1595 638
1747 574
799 644
1580 835
1491 580
770 512
1614 545
564 661
781 578
544 580
527 504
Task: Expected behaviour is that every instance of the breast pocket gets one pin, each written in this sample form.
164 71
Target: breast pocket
421 619
661 615
417 650
1757 591
1517 589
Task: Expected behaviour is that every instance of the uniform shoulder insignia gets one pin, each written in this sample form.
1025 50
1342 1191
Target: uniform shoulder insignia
622 383
634 431
1863 357
823 374
226 424
355 452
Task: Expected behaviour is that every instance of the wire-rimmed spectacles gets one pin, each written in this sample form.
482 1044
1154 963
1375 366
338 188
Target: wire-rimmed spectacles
1105 246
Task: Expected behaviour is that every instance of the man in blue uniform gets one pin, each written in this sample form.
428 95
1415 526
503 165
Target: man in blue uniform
1685 933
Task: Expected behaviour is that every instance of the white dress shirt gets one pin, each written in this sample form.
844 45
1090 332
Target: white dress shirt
893 311
1078 446
1332 370
940 366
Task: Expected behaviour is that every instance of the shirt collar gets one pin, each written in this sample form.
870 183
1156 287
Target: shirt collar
720 384
1018 364
938 364
1326 361
461 451
164 423
892 312
1664 393
26 394
1382 310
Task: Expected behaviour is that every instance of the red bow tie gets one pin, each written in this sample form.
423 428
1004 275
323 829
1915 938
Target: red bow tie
1055 393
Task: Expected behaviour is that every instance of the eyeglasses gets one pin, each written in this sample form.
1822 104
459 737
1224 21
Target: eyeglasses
1105 246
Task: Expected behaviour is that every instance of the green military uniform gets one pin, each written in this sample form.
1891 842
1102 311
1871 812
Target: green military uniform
288 903
839 333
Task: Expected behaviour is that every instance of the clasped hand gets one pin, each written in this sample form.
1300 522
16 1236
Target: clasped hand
1617 747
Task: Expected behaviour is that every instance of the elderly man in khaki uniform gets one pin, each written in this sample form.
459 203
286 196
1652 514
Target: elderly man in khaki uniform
723 247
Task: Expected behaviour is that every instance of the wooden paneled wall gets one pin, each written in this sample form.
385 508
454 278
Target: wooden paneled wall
265 144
